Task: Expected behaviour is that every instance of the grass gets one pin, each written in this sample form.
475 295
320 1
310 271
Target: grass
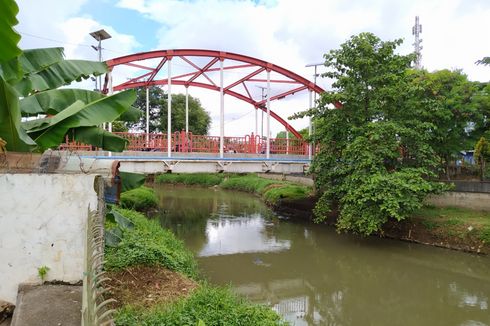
454 221
208 305
149 244
202 179
140 199
272 191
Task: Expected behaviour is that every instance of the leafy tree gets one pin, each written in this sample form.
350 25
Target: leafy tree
34 76
375 160
199 119
450 105
484 61
482 155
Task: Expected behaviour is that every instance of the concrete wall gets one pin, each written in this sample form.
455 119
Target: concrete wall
472 200
296 179
42 223
471 186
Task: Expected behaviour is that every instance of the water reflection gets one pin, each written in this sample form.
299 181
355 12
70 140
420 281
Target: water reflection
313 276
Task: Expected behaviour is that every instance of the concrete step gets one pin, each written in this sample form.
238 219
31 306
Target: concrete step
48 305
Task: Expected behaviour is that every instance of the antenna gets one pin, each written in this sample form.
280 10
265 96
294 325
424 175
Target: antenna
416 31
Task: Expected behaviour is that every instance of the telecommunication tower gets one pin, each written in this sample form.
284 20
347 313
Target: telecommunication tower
416 31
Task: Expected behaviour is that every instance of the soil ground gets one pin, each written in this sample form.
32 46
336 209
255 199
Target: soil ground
148 285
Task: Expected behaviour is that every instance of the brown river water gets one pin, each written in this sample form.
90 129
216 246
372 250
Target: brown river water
311 275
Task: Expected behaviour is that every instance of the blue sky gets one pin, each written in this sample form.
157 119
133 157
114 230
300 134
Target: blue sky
289 33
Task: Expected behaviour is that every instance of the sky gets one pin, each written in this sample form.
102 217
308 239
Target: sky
288 33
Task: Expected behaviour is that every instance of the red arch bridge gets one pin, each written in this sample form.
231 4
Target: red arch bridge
234 75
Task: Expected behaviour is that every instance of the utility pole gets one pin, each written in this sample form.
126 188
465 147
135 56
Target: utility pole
312 103
416 31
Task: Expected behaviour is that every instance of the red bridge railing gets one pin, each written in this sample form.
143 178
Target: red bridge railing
190 143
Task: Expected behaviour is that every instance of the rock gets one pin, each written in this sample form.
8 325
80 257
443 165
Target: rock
6 310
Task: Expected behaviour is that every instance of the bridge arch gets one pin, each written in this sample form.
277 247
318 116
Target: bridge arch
152 63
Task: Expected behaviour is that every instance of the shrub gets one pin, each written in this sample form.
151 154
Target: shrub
140 199
275 195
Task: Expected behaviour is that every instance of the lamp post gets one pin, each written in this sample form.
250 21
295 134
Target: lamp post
310 127
99 36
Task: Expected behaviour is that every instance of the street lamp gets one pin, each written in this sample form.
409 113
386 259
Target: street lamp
100 35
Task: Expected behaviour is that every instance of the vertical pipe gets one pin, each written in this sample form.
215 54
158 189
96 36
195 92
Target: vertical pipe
268 126
100 60
169 109
186 110
111 91
147 115
309 126
221 112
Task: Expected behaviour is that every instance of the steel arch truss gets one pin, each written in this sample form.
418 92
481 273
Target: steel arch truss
202 70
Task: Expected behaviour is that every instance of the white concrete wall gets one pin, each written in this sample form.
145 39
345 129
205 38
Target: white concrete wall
471 200
42 223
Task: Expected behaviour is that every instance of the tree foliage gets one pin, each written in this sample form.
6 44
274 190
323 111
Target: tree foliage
375 161
452 105
199 118
28 86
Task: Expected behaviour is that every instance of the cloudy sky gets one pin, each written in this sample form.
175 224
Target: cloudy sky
288 33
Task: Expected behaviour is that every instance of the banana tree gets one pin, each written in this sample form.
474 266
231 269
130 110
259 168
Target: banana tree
29 82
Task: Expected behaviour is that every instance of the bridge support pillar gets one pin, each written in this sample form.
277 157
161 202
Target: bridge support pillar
169 111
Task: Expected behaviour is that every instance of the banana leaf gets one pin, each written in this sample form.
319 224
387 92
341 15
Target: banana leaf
99 137
8 37
34 60
10 128
55 101
49 132
59 74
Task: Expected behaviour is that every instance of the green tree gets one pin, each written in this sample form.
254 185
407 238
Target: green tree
28 86
303 132
451 105
482 155
375 160
199 118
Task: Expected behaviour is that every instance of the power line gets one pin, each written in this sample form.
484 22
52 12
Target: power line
64 42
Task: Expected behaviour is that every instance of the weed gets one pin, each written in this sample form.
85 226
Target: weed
42 272
429 225
202 179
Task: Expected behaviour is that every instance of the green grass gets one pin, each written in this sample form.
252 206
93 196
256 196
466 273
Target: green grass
140 199
149 244
249 183
454 221
211 305
202 179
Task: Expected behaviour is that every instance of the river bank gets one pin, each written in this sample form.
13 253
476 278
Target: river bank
453 228
155 280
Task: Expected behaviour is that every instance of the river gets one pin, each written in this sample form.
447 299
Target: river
311 275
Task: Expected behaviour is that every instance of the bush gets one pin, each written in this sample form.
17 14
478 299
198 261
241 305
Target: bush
203 179
147 243
211 305
140 199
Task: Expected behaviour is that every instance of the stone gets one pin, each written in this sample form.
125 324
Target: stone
6 310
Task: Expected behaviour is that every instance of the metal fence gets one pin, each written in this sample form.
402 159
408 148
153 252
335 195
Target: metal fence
96 304
189 143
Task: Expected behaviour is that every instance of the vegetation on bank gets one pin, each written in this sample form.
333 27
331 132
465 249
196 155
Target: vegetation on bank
273 192
146 243
207 305
139 199
456 222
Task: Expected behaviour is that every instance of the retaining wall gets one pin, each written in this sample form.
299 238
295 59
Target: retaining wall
42 223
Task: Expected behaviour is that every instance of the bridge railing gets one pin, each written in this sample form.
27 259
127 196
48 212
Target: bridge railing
189 143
